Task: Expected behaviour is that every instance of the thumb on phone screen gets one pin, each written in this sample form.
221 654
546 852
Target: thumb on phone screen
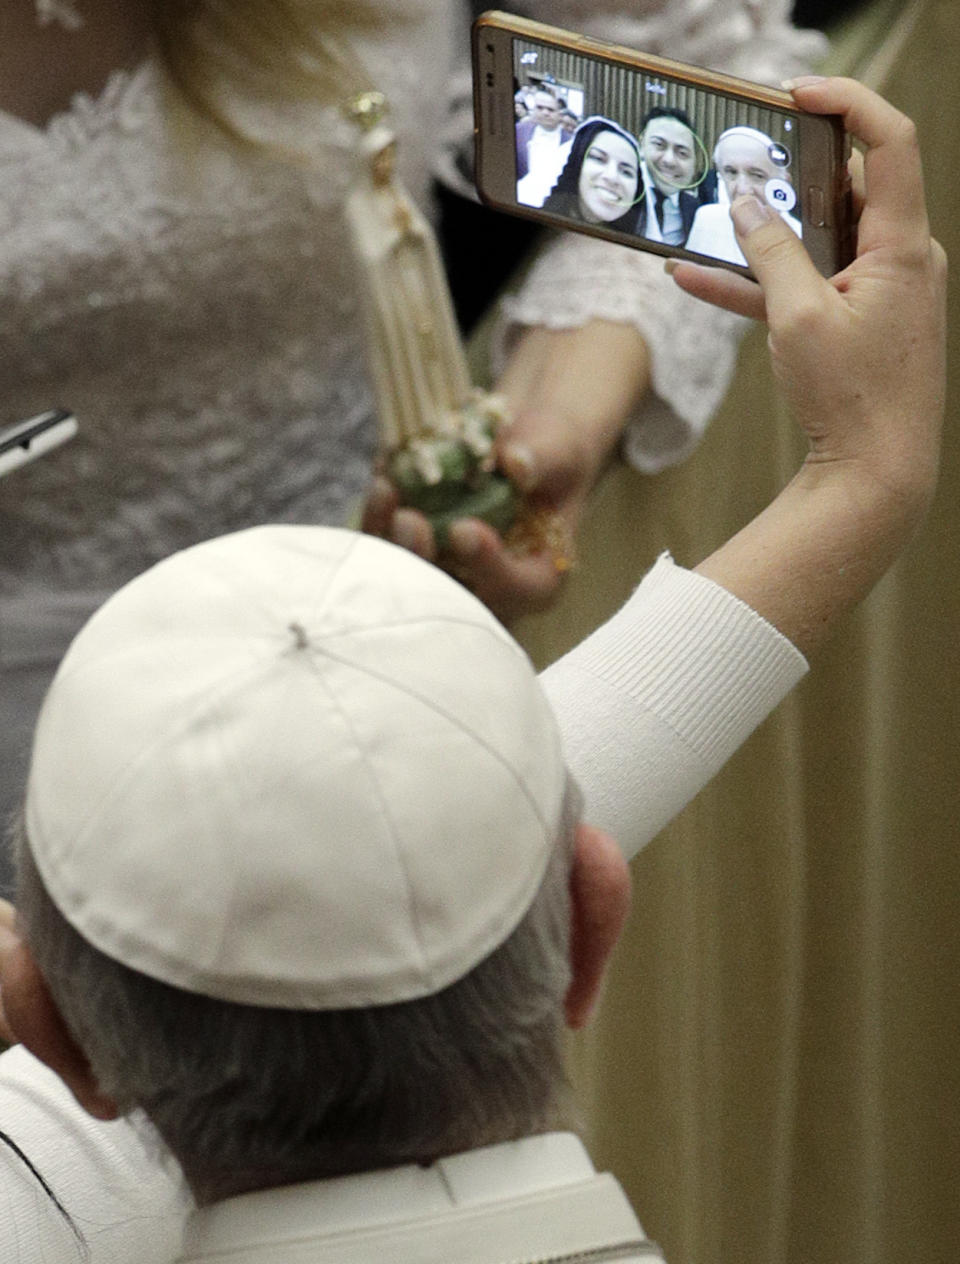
776 256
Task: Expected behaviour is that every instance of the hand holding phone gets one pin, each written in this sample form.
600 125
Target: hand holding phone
861 360
860 356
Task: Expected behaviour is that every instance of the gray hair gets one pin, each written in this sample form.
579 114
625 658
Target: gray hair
249 1097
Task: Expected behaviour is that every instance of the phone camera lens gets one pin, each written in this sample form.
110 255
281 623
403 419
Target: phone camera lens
779 155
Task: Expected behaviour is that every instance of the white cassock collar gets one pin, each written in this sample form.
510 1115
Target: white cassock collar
529 1199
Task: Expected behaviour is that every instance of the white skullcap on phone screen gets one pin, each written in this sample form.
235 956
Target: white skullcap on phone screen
296 767
748 133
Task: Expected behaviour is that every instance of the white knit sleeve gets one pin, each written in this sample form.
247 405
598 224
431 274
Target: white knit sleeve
125 1197
655 701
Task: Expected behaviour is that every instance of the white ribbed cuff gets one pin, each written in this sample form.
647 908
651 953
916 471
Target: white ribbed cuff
706 662
656 701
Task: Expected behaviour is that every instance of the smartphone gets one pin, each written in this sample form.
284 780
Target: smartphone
25 440
649 152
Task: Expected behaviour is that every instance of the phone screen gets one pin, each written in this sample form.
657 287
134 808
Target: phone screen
645 154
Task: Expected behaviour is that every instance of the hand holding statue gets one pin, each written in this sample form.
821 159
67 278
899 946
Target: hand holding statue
490 486
567 392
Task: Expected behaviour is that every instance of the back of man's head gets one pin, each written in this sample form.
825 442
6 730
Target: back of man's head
294 860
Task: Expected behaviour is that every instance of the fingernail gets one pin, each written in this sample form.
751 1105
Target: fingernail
465 539
670 267
521 465
405 533
802 81
750 213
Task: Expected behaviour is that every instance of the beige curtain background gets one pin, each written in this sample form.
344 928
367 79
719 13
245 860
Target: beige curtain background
775 1073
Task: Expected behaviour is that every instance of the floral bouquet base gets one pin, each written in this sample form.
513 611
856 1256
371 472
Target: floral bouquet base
453 474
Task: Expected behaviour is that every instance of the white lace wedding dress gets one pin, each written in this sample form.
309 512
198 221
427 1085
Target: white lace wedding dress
195 304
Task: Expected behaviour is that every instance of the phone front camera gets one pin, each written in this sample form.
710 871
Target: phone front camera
779 155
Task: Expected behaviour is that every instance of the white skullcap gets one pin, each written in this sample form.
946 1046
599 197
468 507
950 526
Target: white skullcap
296 767
742 130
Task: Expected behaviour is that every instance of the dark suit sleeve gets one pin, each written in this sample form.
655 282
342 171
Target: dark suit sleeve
688 208
523 135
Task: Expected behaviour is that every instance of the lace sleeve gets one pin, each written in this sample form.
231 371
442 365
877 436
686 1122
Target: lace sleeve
693 347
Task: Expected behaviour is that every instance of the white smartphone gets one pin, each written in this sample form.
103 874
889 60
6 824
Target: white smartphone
26 440
648 152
